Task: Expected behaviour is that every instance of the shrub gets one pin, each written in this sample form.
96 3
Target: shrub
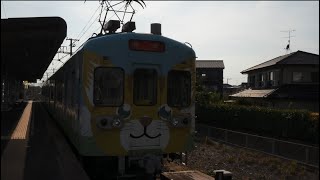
290 124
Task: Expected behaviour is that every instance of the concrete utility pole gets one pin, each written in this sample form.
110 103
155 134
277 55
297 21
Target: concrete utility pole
228 80
62 50
72 44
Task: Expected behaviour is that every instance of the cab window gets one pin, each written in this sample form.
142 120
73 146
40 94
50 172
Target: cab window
108 86
145 87
179 88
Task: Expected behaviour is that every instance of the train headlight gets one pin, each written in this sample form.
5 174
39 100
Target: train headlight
109 122
116 122
103 122
175 121
185 121
180 121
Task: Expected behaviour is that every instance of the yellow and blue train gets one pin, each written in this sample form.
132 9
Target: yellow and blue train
130 96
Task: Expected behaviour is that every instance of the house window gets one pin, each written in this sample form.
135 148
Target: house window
252 80
203 75
297 76
271 76
260 80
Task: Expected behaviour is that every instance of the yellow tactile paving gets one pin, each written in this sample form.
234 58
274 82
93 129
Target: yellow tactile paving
21 130
14 155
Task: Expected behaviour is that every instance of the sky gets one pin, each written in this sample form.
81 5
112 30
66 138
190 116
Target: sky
241 33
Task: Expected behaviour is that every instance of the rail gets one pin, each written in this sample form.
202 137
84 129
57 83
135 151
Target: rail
305 154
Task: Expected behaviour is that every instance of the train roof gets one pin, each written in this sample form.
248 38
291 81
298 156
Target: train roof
97 43
132 35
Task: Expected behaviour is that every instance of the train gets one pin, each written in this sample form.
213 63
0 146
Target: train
128 97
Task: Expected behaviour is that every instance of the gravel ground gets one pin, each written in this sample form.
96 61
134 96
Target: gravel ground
242 163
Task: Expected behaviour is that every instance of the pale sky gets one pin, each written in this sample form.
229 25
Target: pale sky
241 33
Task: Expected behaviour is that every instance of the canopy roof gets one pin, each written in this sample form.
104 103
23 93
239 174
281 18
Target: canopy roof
28 45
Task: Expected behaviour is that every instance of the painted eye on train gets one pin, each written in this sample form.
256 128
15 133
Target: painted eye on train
164 112
124 111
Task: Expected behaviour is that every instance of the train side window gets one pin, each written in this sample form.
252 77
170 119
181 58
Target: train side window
108 86
179 88
145 87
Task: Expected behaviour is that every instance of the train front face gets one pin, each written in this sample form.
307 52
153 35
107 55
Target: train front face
137 95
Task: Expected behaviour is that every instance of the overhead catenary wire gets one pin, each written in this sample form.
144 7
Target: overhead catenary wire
83 31
98 17
85 39
88 21
55 67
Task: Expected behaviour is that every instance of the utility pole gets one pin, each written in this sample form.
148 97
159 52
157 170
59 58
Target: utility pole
228 80
62 50
72 44
288 46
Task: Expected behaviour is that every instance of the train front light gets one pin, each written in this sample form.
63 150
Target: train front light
103 122
175 121
116 122
109 122
180 121
185 121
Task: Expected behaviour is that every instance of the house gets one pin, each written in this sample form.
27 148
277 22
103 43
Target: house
210 74
288 81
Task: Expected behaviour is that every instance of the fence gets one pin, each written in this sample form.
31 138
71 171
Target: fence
305 154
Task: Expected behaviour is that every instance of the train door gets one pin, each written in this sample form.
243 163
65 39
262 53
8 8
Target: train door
145 86
146 99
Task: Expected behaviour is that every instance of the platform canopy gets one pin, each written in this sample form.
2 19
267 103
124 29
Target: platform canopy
28 45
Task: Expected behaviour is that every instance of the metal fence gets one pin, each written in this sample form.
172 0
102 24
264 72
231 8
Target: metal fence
305 154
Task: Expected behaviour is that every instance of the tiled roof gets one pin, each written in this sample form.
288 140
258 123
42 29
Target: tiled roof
209 64
254 93
299 57
289 91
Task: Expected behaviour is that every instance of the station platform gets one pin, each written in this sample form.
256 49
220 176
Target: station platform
32 147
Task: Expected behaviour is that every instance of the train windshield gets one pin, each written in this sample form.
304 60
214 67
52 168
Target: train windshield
108 86
179 88
145 87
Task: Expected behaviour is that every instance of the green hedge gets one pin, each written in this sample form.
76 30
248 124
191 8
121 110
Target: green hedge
288 124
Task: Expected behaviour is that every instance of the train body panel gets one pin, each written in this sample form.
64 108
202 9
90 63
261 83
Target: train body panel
119 101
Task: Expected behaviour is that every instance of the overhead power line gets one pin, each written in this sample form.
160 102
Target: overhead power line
88 21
